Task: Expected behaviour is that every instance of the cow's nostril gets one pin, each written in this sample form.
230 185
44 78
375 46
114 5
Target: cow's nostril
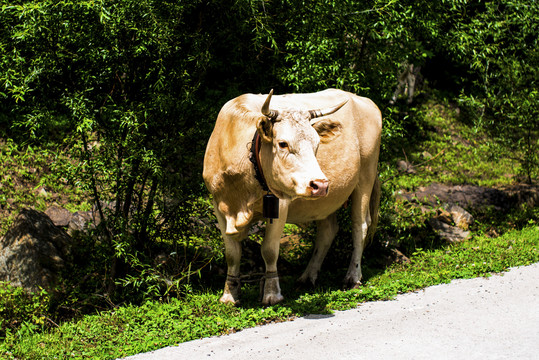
319 187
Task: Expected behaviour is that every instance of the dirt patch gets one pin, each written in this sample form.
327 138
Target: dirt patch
475 197
452 203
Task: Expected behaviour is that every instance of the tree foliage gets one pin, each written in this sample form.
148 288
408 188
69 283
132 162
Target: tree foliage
128 86
499 41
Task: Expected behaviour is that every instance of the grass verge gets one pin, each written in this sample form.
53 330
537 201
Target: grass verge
133 329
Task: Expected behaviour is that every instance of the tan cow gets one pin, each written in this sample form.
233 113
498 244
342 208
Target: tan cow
312 151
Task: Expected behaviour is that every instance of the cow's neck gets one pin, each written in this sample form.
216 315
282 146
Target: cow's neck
255 159
270 203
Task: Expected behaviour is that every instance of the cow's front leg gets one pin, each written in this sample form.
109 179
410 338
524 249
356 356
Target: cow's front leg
231 293
270 253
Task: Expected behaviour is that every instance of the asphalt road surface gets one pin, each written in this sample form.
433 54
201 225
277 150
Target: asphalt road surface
482 318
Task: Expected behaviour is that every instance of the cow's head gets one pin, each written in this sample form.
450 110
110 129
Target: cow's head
291 139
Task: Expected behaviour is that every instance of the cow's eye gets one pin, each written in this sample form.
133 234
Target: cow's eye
283 144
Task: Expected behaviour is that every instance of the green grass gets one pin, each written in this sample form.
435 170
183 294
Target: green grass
132 329
25 172
445 150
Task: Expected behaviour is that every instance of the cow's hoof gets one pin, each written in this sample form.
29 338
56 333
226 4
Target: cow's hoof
307 280
229 299
271 291
351 283
231 293
272 299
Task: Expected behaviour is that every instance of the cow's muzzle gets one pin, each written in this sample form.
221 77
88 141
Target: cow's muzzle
319 187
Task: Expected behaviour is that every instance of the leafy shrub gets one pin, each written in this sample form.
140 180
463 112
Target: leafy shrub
20 310
498 39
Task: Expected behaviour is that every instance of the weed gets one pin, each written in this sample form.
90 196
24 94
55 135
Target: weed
21 312
26 180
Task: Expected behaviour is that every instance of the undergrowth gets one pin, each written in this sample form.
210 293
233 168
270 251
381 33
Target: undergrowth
29 178
132 329
443 148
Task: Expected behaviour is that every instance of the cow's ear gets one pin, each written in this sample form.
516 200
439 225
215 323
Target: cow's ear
265 129
327 129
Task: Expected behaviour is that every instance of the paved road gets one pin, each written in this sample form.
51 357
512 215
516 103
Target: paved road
493 318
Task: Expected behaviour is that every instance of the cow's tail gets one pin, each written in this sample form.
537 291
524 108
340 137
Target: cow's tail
374 209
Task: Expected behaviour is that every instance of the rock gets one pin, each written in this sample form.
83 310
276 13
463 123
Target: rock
461 217
33 251
80 221
466 196
426 155
59 216
42 192
405 167
471 197
444 216
524 194
449 233
398 257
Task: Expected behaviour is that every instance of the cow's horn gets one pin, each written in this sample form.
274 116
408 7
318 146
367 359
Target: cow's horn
266 110
327 111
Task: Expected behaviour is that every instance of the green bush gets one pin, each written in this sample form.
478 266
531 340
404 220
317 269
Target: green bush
499 43
20 311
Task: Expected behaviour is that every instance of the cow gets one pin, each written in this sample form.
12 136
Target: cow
294 158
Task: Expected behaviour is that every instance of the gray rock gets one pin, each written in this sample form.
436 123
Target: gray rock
59 216
524 194
80 221
396 256
449 233
33 251
405 167
466 196
461 217
471 197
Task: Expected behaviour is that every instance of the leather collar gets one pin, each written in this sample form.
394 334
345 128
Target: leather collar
255 159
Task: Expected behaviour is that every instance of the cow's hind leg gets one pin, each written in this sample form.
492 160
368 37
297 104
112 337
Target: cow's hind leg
361 220
326 230
231 293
